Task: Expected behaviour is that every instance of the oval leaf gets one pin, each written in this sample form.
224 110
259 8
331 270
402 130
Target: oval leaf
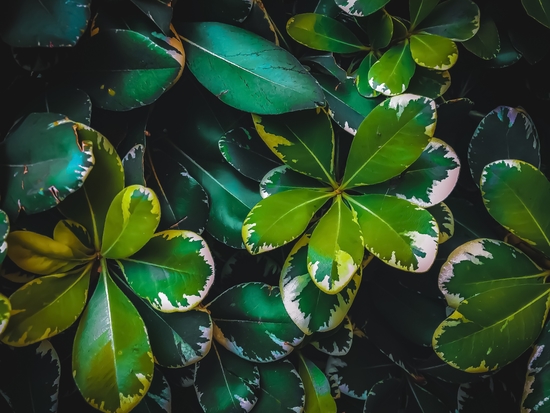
392 73
362 76
283 178
282 388
454 19
538 10
486 42
433 52
429 83
337 342
316 386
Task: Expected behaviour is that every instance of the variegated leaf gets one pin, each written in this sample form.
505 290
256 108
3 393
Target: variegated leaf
392 73
283 178
282 390
337 342
5 311
445 221
316 386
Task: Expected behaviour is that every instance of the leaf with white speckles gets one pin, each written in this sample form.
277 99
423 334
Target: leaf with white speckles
361 7
158 398
445 221
282 178
250 320
173 271
4 231
392 73
336 342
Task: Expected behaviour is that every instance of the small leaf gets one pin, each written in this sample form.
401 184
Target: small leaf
5 310
445 221
337 342
429 83
361 7
282 178
250 320
131 221
160 12
281 218
362 76
433 51
158 398
75 236
486 42
282 390
379 29
4 231
326 63
317 388
320 32
457 20
392 73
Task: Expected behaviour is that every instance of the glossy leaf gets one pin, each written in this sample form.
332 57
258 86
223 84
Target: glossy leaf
337 342
4 231
398 232
51 23
282 178
362 76
389 140
75 236
46 306
256 327
508 187
535 392
173 271
429 83
37 177
335 249
482 265
310 308
480 336
281 218
133 163
504 133
131 221
160 12
158 398
89 205
346 106
112 366
361 7
454 19
320 32
246 80
303 140
317 388
420 9
281 389
486 42
538 10
5 312
326 63
507 55
379 29
74 103
445 221
392 73
433 51
226 383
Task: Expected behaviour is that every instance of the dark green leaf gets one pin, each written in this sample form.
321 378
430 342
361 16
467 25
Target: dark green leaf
283 178
361 7
337 342
71 102
429 83
486 42
281 389
158 398
420 9
379 29
4 231
160 12
454 19
382 396
535 394
445 221
538 10
326 63
362 76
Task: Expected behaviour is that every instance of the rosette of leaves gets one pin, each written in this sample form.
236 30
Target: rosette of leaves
133 290
395 168
394 48
497 290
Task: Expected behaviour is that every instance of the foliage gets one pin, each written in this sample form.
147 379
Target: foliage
270 206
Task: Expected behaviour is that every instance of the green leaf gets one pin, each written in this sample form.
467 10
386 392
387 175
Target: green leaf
507 55
392 73
486 42
46 306
48 23
281 218
383 146
260 22
122 69
493 328
5 311
433 51
74 103
283 178
303 140
226 383
419 10
131 221
246 80
535 392
335 249
37 177
112 366
89 205
320 32
360 368
398 232
429 83
326 63
482 265
445 221
160 12
538 10
457 20
311 309
382 396
74 236
336 342
40 254
379 29
346 106
507 187
173 271
133 165
504 133
362 76
428 181
231 195
183 201
317 388
361 7
158 398
250 320
4 231
281 388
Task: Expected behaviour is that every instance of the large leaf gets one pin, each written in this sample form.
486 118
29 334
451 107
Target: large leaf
454 19
361 7
303 140
247 81
131 221
428 181
88 206
320 32
486 42
389 140
311 309
283 178
112 361
335 249
281 388
281 218
317 388
482 265
538 10
226 383
433 51
122 69
47 23
46 306
250 320
398 232
392 73
36 177
504 133
173 271
4 231
508 187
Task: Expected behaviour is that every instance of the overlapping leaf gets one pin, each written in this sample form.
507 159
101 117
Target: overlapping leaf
454 19
281 388
337 342
392 73
316 386
282 178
